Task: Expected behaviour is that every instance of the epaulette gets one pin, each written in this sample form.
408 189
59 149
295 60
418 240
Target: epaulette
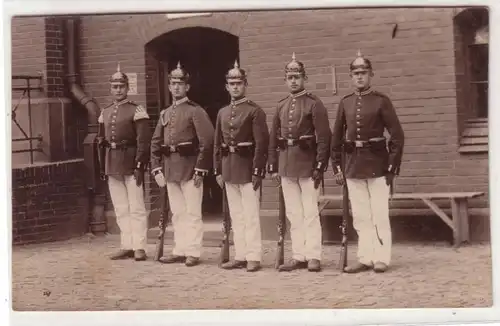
193 103
311 95
140 112
284 98
108 106
378 93
252 103
347 95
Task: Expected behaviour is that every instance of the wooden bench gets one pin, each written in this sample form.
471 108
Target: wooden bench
459 222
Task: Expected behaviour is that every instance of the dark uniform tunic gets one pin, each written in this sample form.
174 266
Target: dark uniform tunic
301 114
241 122
366 115
183 122
124 127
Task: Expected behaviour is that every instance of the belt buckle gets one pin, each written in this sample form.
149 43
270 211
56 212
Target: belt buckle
358 143
112 145
232 149
289 142
171 148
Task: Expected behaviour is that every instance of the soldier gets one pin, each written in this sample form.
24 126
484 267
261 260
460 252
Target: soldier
298 155
184 139
240 156
369 168
124 138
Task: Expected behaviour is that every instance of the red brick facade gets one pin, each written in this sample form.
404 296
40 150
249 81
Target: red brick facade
49 202
415 53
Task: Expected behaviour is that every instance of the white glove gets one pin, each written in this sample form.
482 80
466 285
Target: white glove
160 179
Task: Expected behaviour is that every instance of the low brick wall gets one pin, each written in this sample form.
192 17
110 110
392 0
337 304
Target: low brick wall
49 202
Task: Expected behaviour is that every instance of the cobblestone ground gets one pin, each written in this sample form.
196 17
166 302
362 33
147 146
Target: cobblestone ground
76 275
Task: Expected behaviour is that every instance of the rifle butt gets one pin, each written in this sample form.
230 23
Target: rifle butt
159 247
226 227
280 254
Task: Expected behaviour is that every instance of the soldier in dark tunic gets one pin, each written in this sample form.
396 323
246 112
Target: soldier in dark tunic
370 167
183 140
298 156
240 156
125 137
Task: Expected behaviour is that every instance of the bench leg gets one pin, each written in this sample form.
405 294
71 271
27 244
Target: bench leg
456 218
463 208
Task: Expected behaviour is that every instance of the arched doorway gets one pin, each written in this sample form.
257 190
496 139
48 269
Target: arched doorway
207 54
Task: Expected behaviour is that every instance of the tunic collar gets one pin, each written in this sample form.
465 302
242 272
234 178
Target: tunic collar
302 92
115 103
242 100
182 100
365 92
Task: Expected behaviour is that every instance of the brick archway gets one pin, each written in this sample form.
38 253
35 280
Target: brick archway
157 25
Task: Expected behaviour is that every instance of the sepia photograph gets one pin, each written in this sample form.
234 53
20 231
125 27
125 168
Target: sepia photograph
312 158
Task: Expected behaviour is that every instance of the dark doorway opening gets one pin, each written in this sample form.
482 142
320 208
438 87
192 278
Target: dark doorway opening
207 54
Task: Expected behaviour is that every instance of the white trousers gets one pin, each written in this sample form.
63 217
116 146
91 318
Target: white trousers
370 208
244 208
185 203
131 214
301 205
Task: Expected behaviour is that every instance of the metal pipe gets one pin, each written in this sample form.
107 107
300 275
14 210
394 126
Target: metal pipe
96 222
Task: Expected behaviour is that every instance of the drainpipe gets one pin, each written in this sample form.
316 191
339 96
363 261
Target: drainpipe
96 188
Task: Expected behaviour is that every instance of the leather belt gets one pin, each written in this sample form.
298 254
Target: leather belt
236 149
119 145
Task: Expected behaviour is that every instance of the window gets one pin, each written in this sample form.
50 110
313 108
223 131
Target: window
478 64
472 46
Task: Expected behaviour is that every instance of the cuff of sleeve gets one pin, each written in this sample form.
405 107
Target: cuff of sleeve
336 168
140 165
200 172
320 166
271 168
259 172
393 169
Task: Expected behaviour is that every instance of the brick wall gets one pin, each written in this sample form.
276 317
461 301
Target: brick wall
416 69
49 202
39 49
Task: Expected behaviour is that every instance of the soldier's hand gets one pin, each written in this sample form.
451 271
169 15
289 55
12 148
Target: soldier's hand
317 175
220 181
276 178
103 176
198 180
160 179
256 182
339 178
139 177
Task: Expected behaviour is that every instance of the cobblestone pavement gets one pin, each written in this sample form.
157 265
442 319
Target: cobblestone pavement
76 275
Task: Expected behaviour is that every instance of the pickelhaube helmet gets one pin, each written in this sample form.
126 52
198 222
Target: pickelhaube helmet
118 78
179 73
360 63
295 67
236 73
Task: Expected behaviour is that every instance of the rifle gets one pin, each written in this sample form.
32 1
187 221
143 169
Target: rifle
344 226
226 228
345 211
164 211
280 255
